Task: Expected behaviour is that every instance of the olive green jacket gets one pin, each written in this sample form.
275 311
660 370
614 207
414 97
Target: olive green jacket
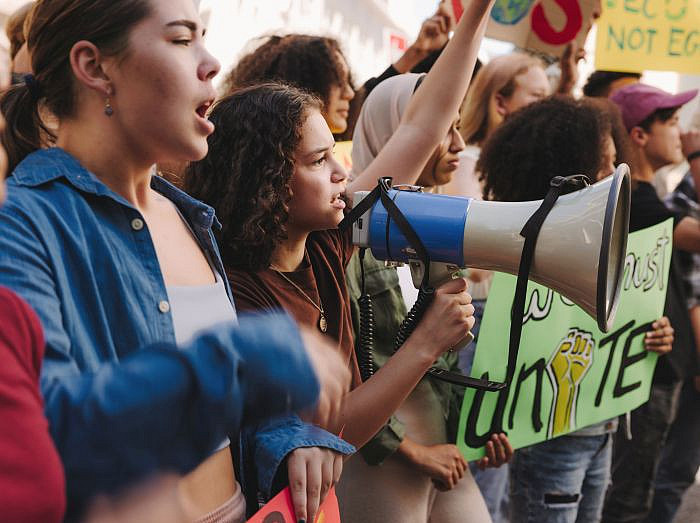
382 284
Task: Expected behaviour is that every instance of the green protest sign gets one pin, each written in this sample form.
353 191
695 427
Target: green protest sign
569 374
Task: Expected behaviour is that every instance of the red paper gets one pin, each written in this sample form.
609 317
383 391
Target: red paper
280 510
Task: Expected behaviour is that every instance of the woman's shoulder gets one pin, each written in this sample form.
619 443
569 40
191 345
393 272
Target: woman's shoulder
20 329
39 186
251 290
332 244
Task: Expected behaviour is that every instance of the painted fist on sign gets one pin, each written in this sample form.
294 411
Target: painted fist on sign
566 369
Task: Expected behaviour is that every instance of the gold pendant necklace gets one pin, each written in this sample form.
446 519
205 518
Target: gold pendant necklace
322 322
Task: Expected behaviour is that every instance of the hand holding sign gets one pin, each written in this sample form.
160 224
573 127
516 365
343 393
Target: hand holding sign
434 32
312 472
280 510
570 374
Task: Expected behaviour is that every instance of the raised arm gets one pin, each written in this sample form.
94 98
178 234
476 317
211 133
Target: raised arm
434 106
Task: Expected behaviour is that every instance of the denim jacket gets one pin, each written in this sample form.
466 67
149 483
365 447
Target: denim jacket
122 400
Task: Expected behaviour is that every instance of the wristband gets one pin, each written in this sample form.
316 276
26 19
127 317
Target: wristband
693 155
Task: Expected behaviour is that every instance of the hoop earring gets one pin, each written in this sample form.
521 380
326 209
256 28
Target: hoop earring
109 111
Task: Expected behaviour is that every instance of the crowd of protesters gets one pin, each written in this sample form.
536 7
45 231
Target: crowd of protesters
180 315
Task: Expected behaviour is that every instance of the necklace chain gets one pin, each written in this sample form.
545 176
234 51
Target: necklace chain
322 323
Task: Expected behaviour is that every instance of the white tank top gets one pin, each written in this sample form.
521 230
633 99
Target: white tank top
195 308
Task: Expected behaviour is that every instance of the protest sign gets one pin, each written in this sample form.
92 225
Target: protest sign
543 25
280 510
639 35
569 374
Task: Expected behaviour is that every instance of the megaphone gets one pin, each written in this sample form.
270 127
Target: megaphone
580 249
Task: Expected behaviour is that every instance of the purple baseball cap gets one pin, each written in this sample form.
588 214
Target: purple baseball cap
637 101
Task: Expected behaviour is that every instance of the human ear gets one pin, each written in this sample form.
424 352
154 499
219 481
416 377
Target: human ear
500 104
639 136
87 64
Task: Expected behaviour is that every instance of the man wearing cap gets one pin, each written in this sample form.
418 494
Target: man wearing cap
651 118
681 456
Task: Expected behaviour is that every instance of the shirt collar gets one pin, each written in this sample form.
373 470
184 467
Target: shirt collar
47 165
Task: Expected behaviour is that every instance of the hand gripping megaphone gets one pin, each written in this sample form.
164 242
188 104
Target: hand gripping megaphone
579 251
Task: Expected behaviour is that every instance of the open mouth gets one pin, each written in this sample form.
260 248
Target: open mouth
203 109
338 202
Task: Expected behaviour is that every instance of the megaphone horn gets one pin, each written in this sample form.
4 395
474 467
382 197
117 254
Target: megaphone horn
579 253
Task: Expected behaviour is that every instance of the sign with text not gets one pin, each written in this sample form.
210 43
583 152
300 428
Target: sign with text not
569 374
542 25
658 35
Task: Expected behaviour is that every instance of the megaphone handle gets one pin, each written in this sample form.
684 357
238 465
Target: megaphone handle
462 344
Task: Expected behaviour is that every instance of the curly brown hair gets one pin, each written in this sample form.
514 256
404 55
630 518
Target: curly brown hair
245 175
307 62
557 136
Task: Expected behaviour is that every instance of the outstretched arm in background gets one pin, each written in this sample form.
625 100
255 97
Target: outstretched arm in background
434 106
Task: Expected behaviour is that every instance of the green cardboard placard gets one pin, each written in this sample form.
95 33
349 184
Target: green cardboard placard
569 374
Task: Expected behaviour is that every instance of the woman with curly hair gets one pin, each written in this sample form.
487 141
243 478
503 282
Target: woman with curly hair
563 479
317 64
272 176
313 63
555 137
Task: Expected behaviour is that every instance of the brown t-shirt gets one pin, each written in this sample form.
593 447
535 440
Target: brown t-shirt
321 276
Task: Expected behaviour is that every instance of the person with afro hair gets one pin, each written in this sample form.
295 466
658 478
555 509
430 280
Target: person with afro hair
565 478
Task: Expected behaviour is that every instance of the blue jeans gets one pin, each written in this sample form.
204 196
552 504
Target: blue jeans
680 459
493 483
635 461
562 480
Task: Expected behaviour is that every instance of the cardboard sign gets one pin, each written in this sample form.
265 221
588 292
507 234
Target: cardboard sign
569 374
280 510
543 25
639 35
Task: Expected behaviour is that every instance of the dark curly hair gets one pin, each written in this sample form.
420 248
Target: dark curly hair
557 136
308 62
245 175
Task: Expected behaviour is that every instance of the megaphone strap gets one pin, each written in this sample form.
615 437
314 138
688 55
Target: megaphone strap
405 227
381 192
558 185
